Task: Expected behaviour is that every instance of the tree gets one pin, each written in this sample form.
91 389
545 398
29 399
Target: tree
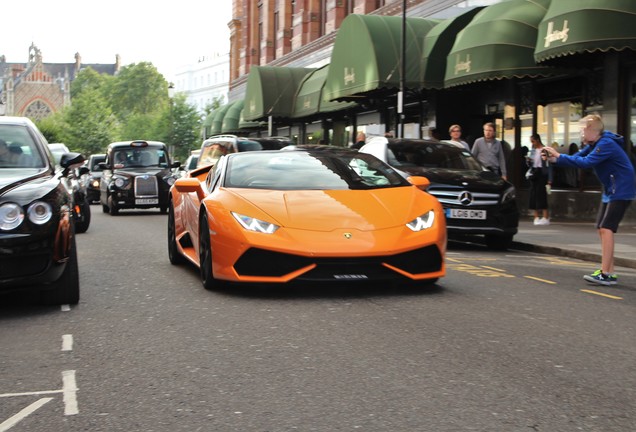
179 127
138 89
89 123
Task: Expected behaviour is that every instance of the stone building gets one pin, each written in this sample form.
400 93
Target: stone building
37 89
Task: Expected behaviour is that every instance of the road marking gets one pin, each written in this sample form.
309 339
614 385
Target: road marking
15 419
493 268
479 271
540 280
602 294
67 342
65 308
70 392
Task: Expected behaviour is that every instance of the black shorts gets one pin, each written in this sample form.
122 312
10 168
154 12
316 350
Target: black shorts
610 214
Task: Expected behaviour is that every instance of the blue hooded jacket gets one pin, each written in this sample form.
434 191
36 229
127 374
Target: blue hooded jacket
611 165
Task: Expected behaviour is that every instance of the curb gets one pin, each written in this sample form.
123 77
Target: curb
586 256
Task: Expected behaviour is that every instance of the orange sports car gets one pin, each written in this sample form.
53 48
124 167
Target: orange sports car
306 215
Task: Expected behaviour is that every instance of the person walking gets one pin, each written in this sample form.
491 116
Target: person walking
540 180
604 153
489 151
455 132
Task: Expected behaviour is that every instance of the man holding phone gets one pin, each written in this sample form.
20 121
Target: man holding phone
604 153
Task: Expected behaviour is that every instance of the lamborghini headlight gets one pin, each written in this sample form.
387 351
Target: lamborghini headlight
256 225
422 222
11 216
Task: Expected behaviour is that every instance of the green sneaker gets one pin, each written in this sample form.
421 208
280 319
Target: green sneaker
600 278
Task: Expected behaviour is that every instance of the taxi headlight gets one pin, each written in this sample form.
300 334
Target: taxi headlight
40 212
95 183
11 216
120 182
256 225
170 180
422 222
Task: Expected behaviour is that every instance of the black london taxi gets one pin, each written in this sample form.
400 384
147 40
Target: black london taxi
37 224
136 174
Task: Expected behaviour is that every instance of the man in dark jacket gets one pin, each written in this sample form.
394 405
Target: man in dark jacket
606 155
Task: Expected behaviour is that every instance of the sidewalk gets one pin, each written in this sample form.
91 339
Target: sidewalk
576 240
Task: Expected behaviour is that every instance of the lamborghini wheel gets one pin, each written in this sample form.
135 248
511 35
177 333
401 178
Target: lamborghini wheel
173 251
205 255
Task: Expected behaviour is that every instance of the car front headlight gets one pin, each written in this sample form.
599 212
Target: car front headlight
11 216
170 180
509 194
256 225
95 183
422 222
40 212
120 182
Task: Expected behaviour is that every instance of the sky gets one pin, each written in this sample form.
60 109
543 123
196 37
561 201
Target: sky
169 34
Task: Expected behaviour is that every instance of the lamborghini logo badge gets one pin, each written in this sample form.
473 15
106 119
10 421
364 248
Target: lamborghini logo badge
347 235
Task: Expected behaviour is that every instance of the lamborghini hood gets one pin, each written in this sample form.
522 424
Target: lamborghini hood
329 210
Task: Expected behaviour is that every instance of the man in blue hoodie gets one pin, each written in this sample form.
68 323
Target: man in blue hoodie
605 153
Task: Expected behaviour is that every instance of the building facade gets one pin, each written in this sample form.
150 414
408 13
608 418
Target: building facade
205 81
36 89
528 66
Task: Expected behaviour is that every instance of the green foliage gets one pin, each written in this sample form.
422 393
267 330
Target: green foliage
133 104
89 123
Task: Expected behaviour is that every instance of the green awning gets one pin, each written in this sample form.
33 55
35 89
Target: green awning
217 123
367 55
231 118
577 26
207 123
309 98
271 91
437 44
498 43
245 124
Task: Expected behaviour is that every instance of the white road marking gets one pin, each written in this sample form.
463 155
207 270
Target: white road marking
67 342
70 390
15 419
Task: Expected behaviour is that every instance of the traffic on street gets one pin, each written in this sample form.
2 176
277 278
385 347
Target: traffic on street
506 341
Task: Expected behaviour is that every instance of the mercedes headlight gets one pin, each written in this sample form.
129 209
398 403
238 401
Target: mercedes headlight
40 212
422 222
256 225
509 194
11 216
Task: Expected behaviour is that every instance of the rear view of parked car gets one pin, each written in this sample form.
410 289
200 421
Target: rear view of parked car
37 226
476 201
136 174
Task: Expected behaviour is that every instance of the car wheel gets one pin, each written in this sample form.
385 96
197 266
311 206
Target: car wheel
173 251
66 290
105 208
112 208
84 217
499 242
205 255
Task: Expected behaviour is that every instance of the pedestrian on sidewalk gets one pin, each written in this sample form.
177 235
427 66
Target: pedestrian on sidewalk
489 151
540 181
604 153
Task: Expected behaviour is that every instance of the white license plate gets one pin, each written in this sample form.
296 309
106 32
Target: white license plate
465 214
147 201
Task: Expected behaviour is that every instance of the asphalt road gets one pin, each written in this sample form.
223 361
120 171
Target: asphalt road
506 342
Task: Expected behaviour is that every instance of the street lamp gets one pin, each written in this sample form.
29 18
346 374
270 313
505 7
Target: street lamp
400 96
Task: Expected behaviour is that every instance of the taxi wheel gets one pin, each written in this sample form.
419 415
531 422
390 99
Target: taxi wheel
173 251
205 255
112 208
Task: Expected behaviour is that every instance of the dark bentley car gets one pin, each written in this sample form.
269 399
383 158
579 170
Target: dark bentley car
136 174
94 177
37 227
476 201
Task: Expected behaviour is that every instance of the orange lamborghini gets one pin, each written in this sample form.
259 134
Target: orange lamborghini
305 215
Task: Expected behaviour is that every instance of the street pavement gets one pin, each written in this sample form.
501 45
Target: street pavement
576 240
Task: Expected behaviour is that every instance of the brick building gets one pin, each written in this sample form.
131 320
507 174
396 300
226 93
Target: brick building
37 89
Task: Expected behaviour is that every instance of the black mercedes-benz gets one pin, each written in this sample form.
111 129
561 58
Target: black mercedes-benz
37 227
136 174
476 201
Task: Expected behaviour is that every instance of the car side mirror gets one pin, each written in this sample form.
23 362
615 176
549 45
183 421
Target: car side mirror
84 170
102 165
175 164
419 181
